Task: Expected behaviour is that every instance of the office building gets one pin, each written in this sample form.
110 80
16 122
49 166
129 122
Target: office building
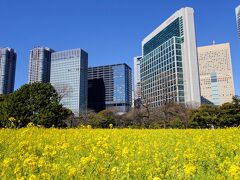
133 99
238 19
169 67
69 77
110 87
216 78
40 65
7 70
137 78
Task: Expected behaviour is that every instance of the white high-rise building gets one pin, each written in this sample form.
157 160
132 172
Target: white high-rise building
137 78
238 19
216 78
169 67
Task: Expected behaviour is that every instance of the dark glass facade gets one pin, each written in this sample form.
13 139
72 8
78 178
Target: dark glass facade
115 82
173 29
96 94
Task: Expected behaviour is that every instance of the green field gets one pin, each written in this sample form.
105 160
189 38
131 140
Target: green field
38 153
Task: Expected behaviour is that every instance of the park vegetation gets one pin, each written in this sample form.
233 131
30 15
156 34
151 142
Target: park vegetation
40 105
37 103
170 115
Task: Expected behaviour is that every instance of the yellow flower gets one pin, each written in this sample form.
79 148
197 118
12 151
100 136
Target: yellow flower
31 162
100 170
234 171
33 177
29 125
114 170
189 169
17 169
89 127
125 152
7 162
72 172
45 176
21 178
12 119
84 161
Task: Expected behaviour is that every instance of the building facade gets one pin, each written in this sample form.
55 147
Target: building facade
238 19
69 77
110 87
8 59
137 78
40 65
216 78
169 67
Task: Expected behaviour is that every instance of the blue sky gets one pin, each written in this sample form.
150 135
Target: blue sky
111 31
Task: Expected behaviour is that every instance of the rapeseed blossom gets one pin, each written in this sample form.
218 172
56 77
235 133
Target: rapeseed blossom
86 153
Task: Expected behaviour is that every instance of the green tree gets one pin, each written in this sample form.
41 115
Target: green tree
230 114
2 110
105 118
226 115
38 103
204 117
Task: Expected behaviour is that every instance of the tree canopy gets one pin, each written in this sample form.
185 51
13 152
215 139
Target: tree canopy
38 103
226 115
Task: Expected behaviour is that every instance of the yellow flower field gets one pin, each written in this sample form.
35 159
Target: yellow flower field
37 153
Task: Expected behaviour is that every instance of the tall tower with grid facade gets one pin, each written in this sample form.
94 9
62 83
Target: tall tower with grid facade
110 87
216 78
137 78
69 71
40 65
169 67
238 19
8 59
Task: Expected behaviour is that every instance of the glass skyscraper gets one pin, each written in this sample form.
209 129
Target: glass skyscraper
169 67
40 65
110 87
238 19
7 70
69 77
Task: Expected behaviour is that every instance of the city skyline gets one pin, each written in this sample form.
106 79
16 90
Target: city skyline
130 33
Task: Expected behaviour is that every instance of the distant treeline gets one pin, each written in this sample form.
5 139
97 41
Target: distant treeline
170 115
39 104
